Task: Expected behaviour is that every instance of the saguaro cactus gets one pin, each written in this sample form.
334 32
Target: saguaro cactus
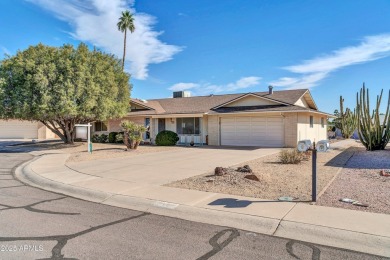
347 122
373 134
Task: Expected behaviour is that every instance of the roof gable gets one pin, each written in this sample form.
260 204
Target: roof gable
250 100
306 100
137 105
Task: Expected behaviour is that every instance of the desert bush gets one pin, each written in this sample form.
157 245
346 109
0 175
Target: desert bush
112 137
167 138
291 156
132 134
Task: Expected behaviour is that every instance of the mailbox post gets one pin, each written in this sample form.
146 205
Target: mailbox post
88 135
314 173
305 145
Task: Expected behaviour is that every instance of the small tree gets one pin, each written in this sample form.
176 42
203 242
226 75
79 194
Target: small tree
132 134
61 87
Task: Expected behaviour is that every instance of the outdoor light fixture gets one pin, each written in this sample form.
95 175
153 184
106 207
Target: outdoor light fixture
323 146
304 145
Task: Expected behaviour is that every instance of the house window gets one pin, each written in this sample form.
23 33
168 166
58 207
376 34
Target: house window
311 121
100 126
322 122
188 126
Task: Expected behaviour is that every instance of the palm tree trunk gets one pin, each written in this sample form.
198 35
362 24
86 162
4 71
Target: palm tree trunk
124 51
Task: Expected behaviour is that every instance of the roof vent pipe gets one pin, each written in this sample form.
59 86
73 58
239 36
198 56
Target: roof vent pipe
270 90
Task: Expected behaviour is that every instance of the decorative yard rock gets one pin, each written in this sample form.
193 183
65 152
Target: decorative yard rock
245 168
252 177
219 171
385 173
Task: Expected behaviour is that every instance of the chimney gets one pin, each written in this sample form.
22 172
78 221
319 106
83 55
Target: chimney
270 90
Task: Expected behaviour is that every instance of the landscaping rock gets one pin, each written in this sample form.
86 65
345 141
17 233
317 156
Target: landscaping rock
252 177
245 168
219 171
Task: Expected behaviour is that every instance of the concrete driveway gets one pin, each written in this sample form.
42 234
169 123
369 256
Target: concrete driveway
168 166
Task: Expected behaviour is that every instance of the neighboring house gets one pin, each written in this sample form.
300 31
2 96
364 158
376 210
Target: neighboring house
266 119
17 129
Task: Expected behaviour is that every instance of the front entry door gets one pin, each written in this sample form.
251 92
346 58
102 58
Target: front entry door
161 124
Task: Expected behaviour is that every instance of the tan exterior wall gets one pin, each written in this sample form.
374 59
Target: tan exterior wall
213 130
290 129
204 128
114 125
44 132
170 124
315 133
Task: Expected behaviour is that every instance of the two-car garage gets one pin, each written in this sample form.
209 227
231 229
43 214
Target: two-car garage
252 131
16 129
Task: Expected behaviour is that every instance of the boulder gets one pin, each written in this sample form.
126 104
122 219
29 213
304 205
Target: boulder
219 171
245 168
252 177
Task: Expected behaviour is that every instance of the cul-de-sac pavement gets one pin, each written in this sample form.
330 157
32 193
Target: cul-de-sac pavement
37 224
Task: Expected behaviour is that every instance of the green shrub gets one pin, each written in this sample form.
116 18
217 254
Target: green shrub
96 138
103 138
119 138
167 138
291 156
112 137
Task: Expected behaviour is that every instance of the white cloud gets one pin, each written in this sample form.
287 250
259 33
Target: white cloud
208 88
4 50
94 21
183 86
314 70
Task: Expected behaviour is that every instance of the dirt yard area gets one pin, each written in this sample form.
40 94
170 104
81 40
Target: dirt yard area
275 179
105 151
361 180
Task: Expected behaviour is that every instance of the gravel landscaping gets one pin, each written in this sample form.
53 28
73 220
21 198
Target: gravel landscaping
275 179
360 180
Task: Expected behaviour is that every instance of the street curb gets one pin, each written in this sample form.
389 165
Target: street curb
334 237
209 216
25 174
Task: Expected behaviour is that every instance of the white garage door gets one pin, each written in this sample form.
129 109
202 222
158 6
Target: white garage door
252 131
15 129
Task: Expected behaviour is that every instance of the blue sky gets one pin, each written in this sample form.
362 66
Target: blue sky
222 46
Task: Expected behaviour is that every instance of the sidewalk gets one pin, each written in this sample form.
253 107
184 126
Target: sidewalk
354 230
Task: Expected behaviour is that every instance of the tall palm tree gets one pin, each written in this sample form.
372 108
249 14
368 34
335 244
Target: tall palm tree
126 21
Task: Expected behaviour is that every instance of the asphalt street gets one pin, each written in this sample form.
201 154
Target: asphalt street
36 224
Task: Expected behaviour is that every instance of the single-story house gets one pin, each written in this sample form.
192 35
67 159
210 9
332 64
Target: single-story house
265 119
18 129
